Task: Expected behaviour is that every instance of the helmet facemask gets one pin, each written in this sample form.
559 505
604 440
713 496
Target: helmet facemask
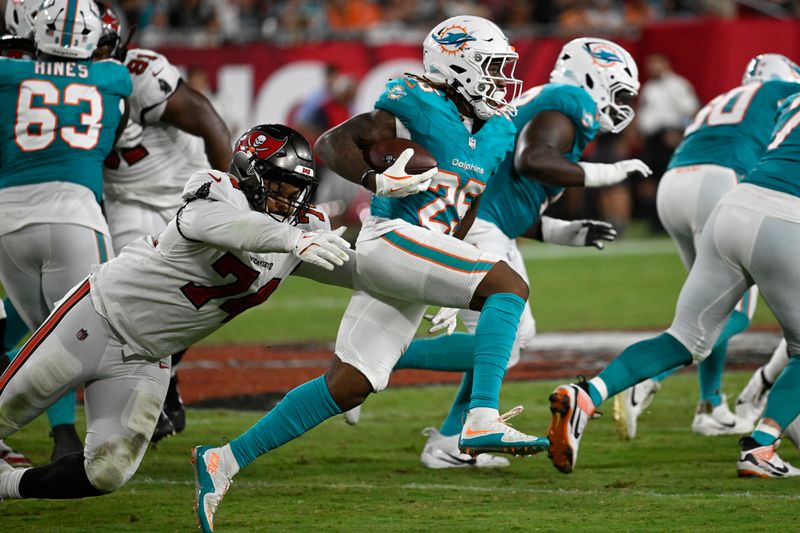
275 170
473 57
620 111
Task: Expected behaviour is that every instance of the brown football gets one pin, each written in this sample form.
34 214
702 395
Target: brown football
382 154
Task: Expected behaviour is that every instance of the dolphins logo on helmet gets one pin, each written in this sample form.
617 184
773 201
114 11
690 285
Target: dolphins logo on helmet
602 54
453 39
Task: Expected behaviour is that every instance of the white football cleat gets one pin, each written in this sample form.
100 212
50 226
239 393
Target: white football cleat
13 457
211 482
753 398
719 420
441 451
762 461
629 406
353 415
486 431
571 408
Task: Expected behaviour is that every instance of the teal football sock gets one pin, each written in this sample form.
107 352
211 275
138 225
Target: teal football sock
763 439
63 411
494 339
455 353
302 409
455 418
711 368
16 330
782 404
640 361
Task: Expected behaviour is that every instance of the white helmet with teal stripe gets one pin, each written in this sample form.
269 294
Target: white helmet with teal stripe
607 72
473 56
765 67
68 28
20 15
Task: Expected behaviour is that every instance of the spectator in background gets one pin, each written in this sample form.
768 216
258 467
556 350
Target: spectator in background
352 15
667 102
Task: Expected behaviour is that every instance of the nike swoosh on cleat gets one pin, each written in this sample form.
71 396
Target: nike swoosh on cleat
455 460
728 425
782 470
633 396
469 432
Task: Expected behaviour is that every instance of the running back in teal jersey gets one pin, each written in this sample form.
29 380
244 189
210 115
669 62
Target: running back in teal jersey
733 129
513 202
58 120
778 168
466 161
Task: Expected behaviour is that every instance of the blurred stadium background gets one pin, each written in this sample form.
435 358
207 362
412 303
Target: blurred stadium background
312 64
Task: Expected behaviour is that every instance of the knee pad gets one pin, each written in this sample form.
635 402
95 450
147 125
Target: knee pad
113 463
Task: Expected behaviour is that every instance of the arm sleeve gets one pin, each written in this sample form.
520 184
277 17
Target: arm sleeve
225 226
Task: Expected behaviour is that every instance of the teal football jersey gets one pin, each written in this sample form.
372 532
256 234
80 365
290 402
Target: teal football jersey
466 161
779 169
513 202
733 129
58 119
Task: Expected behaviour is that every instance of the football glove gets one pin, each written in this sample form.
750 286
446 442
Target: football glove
396 182
445 319
325 249
577 232
602 174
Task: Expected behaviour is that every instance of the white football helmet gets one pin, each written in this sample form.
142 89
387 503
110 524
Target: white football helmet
20 15
474 57
68 28
607 72
765 67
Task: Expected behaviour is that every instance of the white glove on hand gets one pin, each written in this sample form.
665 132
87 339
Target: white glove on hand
577 232
324 249
602 174
395 182
446 318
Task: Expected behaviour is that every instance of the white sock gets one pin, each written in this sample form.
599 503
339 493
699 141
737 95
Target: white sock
229 460
776 363
601 387
483 412
9 483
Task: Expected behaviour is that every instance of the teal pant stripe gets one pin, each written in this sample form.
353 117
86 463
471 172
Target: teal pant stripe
101 247
437 256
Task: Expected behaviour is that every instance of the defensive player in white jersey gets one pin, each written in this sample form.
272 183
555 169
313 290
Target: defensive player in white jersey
236 238
173 132
62 111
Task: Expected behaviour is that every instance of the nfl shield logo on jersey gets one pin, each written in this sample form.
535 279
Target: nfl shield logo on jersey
472 142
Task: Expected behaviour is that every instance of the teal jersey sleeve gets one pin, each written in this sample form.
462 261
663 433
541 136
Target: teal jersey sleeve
58 120
513 202
733 129
465 160
779 168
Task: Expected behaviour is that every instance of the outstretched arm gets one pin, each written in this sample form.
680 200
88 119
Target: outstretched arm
191 112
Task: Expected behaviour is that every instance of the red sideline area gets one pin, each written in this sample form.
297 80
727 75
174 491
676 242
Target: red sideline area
209 373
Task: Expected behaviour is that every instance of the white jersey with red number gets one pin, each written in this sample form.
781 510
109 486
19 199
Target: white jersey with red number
152 160
215 259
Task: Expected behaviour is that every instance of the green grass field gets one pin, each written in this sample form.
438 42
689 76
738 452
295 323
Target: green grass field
368 478
633 284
